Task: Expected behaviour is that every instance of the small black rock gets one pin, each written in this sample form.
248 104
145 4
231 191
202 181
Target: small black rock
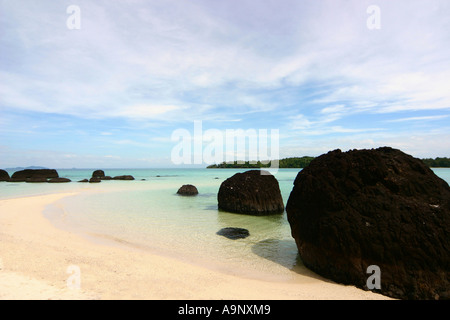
4 176
187 190
98 174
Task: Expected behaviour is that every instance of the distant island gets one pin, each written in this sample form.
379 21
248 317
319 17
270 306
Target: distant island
25 168
437 163
303 162
283 163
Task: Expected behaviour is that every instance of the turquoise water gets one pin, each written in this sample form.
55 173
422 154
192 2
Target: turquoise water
148 214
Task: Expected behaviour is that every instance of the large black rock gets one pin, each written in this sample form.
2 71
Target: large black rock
252 192
350 210
4 176
34 175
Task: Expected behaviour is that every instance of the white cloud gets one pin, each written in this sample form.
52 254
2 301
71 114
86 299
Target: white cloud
300 122
132 143
424 118
421 145
146 111
149 53
340 108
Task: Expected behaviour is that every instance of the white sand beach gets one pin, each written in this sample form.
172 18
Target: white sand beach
39 261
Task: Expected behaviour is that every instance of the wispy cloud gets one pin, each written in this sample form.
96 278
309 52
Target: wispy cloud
425 118
309 68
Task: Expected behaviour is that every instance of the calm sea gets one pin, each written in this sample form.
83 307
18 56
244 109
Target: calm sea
148 214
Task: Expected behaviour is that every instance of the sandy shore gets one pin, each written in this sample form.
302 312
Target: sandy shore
39 261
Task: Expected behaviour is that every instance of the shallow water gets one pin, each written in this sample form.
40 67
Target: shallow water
150 215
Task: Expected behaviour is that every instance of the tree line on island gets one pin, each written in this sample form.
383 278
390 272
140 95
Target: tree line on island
283 163
303 162
437 163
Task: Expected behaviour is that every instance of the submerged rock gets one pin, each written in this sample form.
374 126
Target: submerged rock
187 190
33 174
4 176
233 233
36 180
84 180
382 207
58 180
125 177
253 192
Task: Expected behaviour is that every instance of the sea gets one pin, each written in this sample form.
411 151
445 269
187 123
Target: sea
147 214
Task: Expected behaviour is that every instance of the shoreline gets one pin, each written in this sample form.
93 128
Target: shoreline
40 261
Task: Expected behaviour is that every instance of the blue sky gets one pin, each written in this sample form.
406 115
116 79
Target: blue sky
111 93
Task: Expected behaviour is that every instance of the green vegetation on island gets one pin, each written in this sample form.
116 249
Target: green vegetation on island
437 163
303 162
283 163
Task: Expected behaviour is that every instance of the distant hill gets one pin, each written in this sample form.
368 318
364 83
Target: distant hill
24 168
303 162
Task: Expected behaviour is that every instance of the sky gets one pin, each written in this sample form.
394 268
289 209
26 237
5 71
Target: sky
110 83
